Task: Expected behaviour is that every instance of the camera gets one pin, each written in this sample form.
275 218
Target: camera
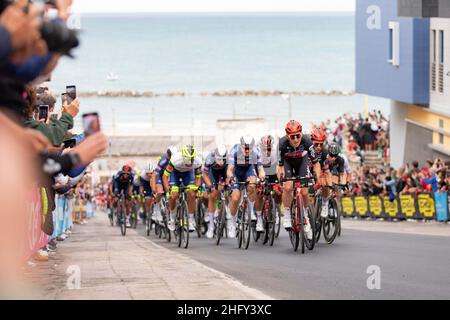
58 37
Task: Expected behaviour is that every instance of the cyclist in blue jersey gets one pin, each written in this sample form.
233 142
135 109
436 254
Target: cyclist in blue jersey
244 165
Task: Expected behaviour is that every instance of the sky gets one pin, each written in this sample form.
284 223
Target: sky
143 6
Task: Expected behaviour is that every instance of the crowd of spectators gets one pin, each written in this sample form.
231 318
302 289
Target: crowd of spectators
34 159
358 135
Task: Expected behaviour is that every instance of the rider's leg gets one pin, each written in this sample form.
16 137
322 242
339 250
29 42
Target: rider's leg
288 193
191 205
172 202
213 196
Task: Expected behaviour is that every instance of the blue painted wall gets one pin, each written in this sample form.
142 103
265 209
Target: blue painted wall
408 82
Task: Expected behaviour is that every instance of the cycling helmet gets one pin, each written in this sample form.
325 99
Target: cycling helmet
188 152
150 167
334 149
247 142
267 142
221 153
126 169
318 135
171 150
293 126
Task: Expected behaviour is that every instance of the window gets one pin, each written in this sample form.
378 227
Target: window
433 46
441 46
394 43
441 138
441 123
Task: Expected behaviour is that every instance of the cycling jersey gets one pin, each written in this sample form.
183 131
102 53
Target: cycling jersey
295 160
214 171
337 167
120 185
178 170
160 168
269 162
244 166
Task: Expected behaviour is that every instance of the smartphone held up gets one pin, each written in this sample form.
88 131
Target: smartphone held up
91 123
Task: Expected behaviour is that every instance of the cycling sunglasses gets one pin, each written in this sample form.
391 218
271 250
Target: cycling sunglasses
318 144
295 136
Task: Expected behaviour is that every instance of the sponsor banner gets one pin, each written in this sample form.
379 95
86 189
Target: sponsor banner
361 206
408 206
348 209
391 207
376 207
441 201
425 204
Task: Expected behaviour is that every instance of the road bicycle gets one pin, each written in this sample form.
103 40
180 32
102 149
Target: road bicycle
220 222
330 225
299 215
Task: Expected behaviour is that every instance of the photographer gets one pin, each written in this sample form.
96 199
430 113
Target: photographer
39 56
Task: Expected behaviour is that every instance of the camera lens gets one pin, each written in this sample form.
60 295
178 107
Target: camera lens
58 37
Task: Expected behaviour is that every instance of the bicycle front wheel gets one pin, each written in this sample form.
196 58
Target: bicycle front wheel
123 219
331 223
184 236
220 224
309 243
294 232
247 228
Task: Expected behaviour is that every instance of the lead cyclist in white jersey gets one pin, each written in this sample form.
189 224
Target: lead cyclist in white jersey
187 167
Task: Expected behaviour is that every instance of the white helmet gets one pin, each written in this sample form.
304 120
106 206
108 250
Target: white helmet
248 141
221 153
150 167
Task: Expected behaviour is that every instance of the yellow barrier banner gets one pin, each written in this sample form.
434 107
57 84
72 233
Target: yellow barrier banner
347 206
376 206
426 205
407 205
361 206
391 208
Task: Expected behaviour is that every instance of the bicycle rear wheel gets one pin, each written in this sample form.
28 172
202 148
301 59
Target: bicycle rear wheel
123 219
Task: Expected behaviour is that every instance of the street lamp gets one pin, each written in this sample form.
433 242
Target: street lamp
287 97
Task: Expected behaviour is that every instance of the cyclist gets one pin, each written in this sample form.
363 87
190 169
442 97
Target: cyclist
156 182
269 159
187 167
144 182
137 191
334 171
123 182
213 171
295 150
244 164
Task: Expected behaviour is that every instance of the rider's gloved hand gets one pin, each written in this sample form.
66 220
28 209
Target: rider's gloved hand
167 195
209 188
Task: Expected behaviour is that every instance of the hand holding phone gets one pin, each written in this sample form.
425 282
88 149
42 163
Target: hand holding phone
71 92
91 123
43 112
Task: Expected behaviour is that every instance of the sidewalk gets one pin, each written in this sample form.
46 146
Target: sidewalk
130 267
406 227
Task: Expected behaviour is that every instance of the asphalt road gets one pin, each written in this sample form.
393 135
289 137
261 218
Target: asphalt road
412 266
